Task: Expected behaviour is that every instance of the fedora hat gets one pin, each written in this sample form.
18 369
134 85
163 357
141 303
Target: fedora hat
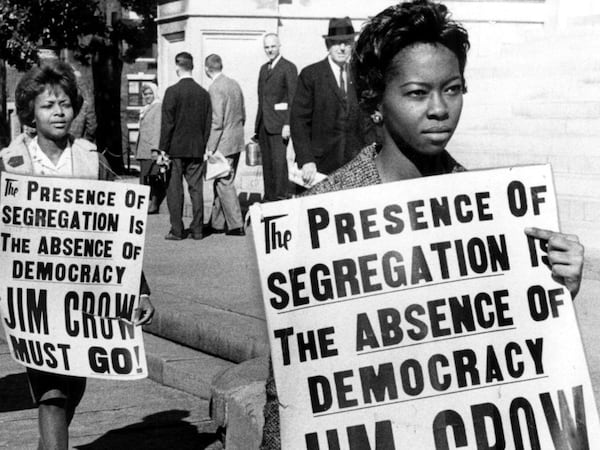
340 29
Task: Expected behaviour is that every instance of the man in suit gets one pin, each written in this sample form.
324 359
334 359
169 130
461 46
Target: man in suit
226 137
328 128
185 126
276 86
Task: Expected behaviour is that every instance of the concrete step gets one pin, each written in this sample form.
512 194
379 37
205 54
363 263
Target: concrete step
575 39
548 50
113 414
564 88
525 64
230 335
533 127
183 368
558 115
583 210
477 108
237 402
591 78
591 21
583 186
589 236
568 152
558 109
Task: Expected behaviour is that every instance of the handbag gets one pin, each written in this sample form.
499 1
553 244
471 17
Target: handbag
217 166
156 175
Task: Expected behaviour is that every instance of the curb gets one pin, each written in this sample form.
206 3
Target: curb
227 334
182 368
236 391
237 402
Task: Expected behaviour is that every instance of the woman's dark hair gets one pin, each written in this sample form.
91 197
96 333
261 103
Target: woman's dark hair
394 29
36 80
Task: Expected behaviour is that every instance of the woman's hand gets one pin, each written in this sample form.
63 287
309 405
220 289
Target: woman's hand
565 257
144 312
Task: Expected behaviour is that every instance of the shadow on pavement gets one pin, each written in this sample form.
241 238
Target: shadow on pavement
160 431
14 393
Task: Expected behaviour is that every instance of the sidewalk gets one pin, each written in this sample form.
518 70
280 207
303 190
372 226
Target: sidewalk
112 415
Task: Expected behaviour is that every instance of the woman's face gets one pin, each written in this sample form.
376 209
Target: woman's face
148 96
53 113
422 100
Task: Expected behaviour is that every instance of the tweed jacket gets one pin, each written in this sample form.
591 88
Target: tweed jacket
361 171
228 116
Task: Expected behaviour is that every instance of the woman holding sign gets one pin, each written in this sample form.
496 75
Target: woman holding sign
47 99
408 64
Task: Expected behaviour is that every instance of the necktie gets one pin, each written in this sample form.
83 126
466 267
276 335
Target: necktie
342 83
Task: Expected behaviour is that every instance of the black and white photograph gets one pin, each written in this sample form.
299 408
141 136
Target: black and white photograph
299 224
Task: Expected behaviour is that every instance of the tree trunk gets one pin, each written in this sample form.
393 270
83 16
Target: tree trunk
106 71
4 119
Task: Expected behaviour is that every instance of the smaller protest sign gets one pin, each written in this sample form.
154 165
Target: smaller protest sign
70 268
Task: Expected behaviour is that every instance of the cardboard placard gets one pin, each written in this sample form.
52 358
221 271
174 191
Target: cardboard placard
419 315
71 260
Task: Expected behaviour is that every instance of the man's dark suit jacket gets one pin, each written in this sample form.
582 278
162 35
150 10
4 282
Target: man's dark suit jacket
275 87
326 129
186 120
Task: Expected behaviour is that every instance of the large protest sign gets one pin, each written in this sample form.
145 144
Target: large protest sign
71 259
419 315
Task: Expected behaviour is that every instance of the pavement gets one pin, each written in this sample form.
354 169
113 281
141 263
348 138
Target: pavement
112 415
207 356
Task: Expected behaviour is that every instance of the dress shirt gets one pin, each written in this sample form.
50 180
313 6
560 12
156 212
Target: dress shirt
274 62
335 68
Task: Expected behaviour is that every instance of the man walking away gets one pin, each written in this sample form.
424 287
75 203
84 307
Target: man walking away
185 127
226 137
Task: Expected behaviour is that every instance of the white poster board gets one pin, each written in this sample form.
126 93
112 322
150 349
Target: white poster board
418 315
70 268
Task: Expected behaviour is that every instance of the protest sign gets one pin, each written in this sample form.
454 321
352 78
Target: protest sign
419 315
70 269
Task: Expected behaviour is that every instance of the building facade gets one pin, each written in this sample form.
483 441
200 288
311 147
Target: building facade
234 29
526 103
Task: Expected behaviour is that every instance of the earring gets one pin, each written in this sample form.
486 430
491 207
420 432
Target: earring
376 117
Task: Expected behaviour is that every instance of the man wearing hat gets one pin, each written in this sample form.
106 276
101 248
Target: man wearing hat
328 129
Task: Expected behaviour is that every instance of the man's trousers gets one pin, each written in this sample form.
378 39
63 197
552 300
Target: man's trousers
191 169
274 162
226 205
